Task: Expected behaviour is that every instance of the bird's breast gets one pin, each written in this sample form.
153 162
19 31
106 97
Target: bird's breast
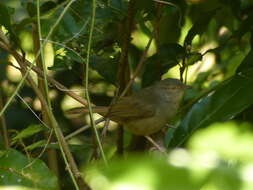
146 126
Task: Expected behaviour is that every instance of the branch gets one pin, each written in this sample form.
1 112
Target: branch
87 82
3 124
66 153
123 71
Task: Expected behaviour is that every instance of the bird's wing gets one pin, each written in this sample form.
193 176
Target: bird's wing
128 108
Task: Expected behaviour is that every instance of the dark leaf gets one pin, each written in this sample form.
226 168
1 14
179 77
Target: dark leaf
193 58
247 62
231 98
106 67
199 26
5 20
31 9
245 26
168 56
65 62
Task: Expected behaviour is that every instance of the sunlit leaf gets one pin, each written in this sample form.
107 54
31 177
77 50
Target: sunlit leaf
139 172
179 171
236 141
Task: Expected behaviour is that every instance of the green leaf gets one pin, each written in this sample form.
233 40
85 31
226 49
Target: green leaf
18 170
140 172
31 9
5 20
245 26
231 98
142 25
179 171
207 141
193 58
35 145
199 26
64 59
106 67
168 56
70 25
247 62
29 131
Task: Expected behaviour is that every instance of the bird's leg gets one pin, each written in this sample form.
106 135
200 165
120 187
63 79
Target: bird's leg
156 145
170 126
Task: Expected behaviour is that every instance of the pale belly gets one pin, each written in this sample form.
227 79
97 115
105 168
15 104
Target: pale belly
144 127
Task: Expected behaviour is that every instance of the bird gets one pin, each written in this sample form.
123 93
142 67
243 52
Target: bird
146 111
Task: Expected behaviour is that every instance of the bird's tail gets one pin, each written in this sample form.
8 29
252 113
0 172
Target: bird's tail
81 110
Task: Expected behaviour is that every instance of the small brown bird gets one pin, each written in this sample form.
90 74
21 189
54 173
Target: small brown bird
146 111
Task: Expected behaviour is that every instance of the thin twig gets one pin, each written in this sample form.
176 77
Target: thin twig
87 81
42 152
43 86
84 128
138 68
33 112
54 82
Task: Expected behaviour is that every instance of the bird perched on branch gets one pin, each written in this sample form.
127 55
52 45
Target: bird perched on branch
146 111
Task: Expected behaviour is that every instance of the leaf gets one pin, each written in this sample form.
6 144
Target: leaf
193 58
70 25
247 62
229 133
5 20
15 170
180 171
29 131
35 145
106 67
65 59
31 9
142 25
168 56
231 98
199 26
245 26
140 172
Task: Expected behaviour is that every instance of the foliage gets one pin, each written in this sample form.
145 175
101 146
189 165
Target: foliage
18 170
206 43
205 164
